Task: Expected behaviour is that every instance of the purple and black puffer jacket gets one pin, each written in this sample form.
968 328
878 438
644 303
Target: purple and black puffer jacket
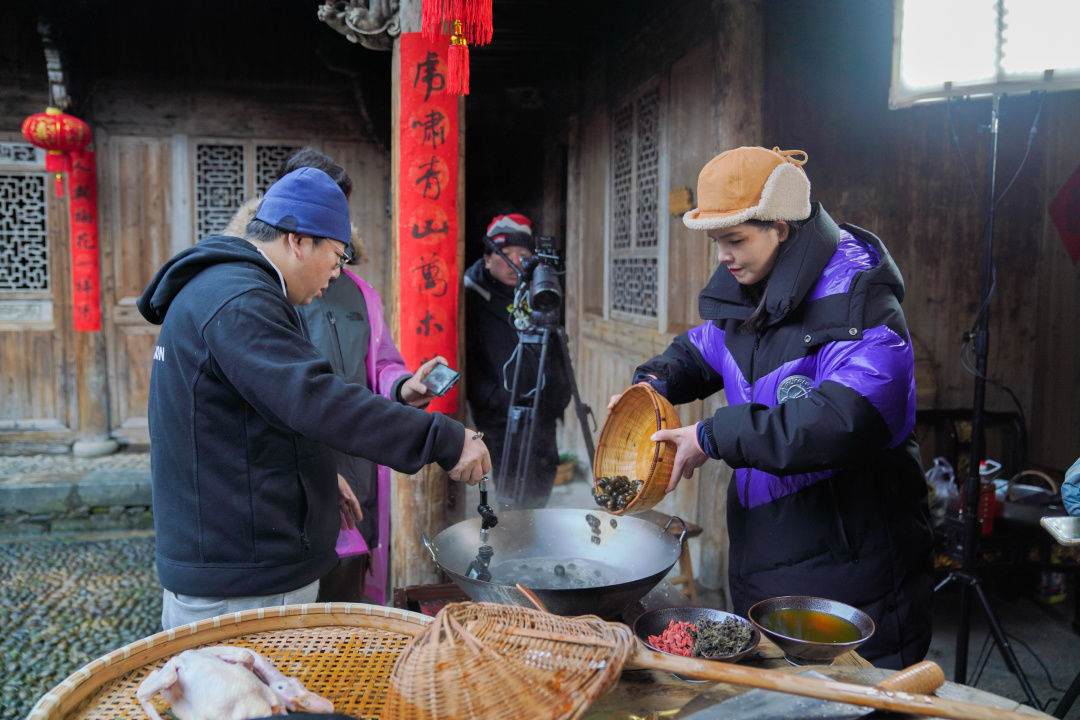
828 496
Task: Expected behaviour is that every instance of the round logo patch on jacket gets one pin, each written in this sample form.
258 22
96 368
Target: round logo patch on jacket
794 386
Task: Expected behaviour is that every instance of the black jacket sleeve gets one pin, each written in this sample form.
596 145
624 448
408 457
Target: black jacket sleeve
260 350
680 373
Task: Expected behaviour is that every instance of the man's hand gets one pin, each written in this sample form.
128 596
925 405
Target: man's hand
351 514
688 454
413 391
475 462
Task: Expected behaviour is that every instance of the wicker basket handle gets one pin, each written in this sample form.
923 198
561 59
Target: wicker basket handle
531 597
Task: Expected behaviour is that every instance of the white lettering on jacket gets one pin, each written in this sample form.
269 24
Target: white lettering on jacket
159 353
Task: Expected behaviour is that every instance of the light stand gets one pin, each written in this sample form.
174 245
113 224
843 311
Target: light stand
968 575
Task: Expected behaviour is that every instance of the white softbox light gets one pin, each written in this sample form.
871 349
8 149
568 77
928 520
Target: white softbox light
953 48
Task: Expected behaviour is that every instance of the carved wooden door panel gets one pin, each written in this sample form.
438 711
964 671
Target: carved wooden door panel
136 184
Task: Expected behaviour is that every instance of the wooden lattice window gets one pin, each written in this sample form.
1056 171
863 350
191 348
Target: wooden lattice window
227 173
219 186
268 159
16 153
634 259
24 232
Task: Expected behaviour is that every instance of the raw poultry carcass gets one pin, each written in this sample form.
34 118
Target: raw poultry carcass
288 689
226 683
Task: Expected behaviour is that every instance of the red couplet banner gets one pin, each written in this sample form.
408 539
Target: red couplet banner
429 282
85 259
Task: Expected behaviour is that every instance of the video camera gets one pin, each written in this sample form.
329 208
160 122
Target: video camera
538 294
539 282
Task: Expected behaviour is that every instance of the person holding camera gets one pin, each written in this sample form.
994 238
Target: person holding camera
492 348
804 332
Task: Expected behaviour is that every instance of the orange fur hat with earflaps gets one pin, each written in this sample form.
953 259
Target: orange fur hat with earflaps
750 183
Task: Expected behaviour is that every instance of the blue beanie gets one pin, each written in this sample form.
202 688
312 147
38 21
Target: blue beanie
307 201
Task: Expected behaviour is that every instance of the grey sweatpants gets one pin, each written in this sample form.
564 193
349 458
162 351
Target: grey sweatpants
179 610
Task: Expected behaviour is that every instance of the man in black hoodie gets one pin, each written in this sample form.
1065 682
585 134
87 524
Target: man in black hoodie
491 339
244 412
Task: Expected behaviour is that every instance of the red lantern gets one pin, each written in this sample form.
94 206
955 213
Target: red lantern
58 134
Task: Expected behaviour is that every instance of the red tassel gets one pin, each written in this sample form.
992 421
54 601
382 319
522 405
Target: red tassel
457 80
476 16
433 13
58 162
478 21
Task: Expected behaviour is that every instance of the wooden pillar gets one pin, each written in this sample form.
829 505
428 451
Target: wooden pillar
92 384
429 501
93 392
91 374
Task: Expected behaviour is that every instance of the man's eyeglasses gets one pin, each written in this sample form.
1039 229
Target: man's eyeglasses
344 258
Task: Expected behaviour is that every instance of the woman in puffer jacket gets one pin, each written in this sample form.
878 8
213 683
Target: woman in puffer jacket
804 332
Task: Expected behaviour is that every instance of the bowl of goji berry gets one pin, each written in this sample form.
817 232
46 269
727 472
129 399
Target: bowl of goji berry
697 632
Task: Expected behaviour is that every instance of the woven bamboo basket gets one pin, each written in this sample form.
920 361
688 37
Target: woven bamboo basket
624 447
488 661
342 651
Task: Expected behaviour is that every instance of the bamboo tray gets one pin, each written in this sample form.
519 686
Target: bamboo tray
342 651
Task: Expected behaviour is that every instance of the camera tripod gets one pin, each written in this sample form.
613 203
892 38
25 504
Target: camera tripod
521 416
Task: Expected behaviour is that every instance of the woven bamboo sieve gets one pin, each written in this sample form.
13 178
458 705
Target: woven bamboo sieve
342 651
482 660
624 447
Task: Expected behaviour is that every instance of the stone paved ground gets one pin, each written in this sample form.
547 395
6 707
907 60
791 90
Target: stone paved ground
66 600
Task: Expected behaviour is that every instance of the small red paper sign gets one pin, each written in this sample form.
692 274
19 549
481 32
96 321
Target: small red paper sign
1065 212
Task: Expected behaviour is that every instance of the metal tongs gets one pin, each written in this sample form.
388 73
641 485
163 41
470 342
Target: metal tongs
478 568
488 519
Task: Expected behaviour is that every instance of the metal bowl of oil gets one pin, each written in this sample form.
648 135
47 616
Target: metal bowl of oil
811 630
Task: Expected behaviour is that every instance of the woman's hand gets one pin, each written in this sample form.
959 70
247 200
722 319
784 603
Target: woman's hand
413 391
688 454
351 514
615 398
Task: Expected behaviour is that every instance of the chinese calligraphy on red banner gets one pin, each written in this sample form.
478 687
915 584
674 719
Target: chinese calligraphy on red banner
428 220
85 260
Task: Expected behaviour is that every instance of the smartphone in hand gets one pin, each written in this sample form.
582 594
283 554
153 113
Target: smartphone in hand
441 379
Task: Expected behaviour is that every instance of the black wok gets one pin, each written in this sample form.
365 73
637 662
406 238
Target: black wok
553 553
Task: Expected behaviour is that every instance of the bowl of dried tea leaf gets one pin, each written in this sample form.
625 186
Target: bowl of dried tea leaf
697 632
